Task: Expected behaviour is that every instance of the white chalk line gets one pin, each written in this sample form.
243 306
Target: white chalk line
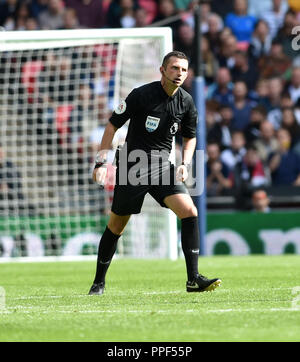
119 293
34 309
28 310
74 310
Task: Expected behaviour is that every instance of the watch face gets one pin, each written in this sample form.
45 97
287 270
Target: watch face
98 159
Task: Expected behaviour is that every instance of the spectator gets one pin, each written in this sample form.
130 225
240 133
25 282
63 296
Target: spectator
225 33
185 41
38 6
249 172
275 115
285 163
257 116
21 16
8 11
289 123
211 115
215 26
244 70
52 17
236 152
31 24
241 106
150 6
82 109
286 100
221 89
90 13
275 16
285 35
241 24
70 19
294 86
261 41
261 91
127 18
141 18
228 49
209 62
267 142
57 80
275 63
217 172
11 194
275 89
75 154
260 201
204 13
220 132
247 175
166 9
297 111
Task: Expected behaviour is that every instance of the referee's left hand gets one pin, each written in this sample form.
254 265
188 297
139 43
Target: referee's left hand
99 175
182 173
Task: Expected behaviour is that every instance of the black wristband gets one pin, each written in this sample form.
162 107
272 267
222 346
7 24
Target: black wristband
100 164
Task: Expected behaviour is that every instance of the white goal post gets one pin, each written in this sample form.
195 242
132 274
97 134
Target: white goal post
57 90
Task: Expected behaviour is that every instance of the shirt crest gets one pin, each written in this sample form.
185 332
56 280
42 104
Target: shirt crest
152 123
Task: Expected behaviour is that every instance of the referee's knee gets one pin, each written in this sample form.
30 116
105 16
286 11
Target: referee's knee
117 223
189 212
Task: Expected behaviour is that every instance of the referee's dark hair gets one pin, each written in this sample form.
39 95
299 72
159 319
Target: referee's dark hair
174 53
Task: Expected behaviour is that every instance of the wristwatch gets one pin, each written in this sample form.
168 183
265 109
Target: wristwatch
99 161
186 164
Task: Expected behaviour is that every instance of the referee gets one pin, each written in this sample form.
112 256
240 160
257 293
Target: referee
156 111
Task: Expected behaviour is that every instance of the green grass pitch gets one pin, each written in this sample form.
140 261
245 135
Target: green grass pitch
145 300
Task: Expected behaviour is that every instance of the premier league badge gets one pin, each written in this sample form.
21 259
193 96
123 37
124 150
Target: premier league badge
121 108
174 128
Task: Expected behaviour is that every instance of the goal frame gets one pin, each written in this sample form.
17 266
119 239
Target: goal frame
43 39
38 39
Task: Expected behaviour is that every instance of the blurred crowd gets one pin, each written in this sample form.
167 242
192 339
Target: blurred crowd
250 62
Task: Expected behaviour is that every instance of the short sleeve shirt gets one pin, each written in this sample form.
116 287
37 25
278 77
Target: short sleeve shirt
155 117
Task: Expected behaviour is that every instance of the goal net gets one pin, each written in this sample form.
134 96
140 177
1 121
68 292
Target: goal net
57 91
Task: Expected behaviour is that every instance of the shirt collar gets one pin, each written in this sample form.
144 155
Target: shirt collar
165 94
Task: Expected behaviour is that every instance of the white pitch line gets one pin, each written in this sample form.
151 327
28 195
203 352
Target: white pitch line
195 311
116 293
35 297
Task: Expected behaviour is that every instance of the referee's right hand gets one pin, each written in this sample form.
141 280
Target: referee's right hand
99 175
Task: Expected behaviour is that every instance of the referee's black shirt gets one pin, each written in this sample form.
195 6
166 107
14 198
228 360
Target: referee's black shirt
155 117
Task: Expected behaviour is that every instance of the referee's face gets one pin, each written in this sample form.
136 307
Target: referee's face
175 73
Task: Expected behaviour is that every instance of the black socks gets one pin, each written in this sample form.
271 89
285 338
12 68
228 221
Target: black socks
106 251
190 242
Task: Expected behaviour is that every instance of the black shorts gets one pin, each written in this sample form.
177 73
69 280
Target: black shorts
128 199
